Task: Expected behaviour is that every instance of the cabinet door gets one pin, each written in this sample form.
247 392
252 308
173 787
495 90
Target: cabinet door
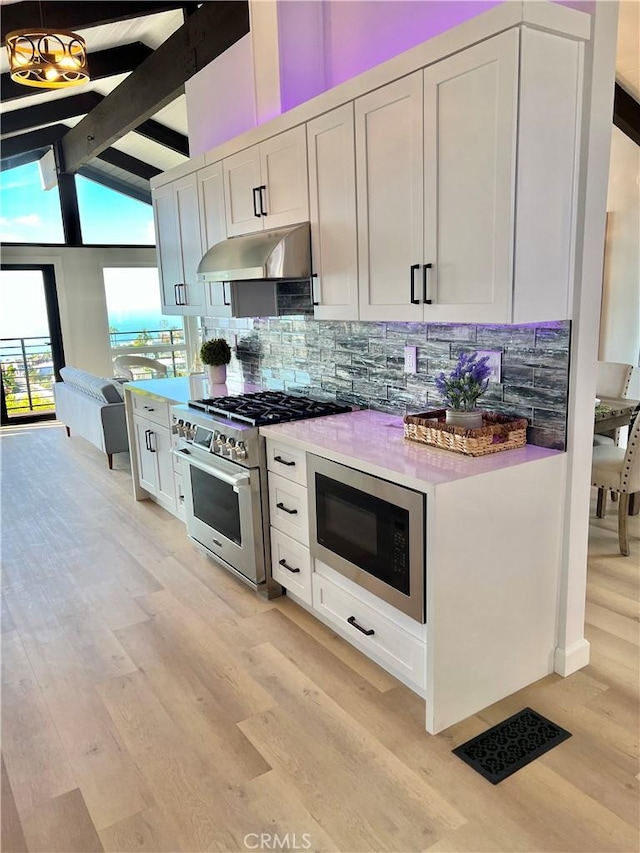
241 177
165 216
186 200
390 189
470 144
213 229
160 441
146 460
283 166
332 208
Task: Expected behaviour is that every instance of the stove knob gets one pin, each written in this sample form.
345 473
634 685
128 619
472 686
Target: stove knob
229 448
219 443
240 451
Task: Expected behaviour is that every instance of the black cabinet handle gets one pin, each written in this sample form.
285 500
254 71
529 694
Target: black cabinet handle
146 439
314 275
176 298
425 281
152 447
263 199
412 281
288 568
256 190
352 621
283 461
224 295
286 509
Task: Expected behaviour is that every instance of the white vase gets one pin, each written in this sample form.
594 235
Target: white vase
468 420
216 374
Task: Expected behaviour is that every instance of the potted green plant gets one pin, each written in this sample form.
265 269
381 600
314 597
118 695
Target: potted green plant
216 355
462 387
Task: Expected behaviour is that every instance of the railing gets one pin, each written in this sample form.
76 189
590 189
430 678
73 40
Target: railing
165 345
27 375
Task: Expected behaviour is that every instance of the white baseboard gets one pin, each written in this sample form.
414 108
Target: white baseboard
567 661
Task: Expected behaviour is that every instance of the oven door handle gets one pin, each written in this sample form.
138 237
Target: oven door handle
235 480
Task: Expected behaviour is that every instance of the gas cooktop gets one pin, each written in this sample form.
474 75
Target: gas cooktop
267 407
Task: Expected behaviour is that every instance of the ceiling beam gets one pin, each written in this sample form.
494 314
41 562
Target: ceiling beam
21 159
33 140
626 114
213 28
164 135
128 163
49 112
102 63
78 16
115 184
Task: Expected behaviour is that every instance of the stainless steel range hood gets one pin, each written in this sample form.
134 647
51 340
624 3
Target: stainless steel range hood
281 254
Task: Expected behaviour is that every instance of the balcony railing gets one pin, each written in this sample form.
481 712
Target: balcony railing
165 345
27 375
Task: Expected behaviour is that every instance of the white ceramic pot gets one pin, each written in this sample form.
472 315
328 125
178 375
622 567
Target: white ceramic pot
216 374
468 420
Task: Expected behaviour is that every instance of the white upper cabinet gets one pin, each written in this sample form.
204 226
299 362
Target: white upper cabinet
177 222
332 207
389 157
470 123
213 229
265 186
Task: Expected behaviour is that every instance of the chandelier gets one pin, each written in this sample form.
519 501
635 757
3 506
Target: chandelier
50 59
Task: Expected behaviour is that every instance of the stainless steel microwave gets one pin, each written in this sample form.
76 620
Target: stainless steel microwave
369 530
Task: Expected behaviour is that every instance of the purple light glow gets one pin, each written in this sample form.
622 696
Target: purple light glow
357 35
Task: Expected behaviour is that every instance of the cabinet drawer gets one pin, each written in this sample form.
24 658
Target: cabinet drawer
291 565
394 649
288 508
287 461
150 408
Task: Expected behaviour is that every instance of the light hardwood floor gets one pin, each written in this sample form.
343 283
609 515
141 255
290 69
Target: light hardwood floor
151 702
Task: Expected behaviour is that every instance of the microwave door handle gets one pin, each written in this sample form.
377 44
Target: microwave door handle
234 480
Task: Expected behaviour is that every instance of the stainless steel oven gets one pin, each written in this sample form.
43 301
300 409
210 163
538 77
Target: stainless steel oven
223 504
370 531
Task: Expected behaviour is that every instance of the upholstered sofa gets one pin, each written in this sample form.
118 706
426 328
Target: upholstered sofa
92 407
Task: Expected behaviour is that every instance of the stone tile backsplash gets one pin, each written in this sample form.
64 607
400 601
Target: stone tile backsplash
363 363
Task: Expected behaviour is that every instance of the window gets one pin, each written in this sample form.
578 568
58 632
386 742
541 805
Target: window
28 214
136 323
107 216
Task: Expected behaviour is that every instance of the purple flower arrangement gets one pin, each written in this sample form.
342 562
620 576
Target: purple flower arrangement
468 381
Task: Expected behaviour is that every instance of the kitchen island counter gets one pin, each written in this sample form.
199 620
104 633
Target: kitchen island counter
374 442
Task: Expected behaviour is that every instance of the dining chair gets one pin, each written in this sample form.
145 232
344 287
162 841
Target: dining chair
127 364
612 379
617 469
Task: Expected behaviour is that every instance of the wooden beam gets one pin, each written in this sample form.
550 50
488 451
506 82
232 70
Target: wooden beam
626 114
49 112
212 29
164 135
78 16
35 139
128 163
102 63
115 184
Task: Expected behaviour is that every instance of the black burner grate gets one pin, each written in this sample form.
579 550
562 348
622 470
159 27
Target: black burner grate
267 407
512 744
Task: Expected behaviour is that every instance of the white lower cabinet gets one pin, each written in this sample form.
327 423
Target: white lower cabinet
364 626
155 465
291 565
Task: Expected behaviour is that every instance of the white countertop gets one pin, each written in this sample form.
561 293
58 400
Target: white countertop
176 389
374 442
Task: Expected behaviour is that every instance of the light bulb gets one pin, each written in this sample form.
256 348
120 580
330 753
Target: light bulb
51 74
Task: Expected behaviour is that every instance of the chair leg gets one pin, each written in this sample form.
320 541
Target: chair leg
623 524
110 460
68 432
601 506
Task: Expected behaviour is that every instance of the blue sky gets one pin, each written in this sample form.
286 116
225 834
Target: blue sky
28 214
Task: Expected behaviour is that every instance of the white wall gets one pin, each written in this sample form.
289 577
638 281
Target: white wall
81 296
620 317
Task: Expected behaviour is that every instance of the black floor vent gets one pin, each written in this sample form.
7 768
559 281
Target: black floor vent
512 744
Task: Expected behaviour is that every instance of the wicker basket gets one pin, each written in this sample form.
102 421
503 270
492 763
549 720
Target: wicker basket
497 433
